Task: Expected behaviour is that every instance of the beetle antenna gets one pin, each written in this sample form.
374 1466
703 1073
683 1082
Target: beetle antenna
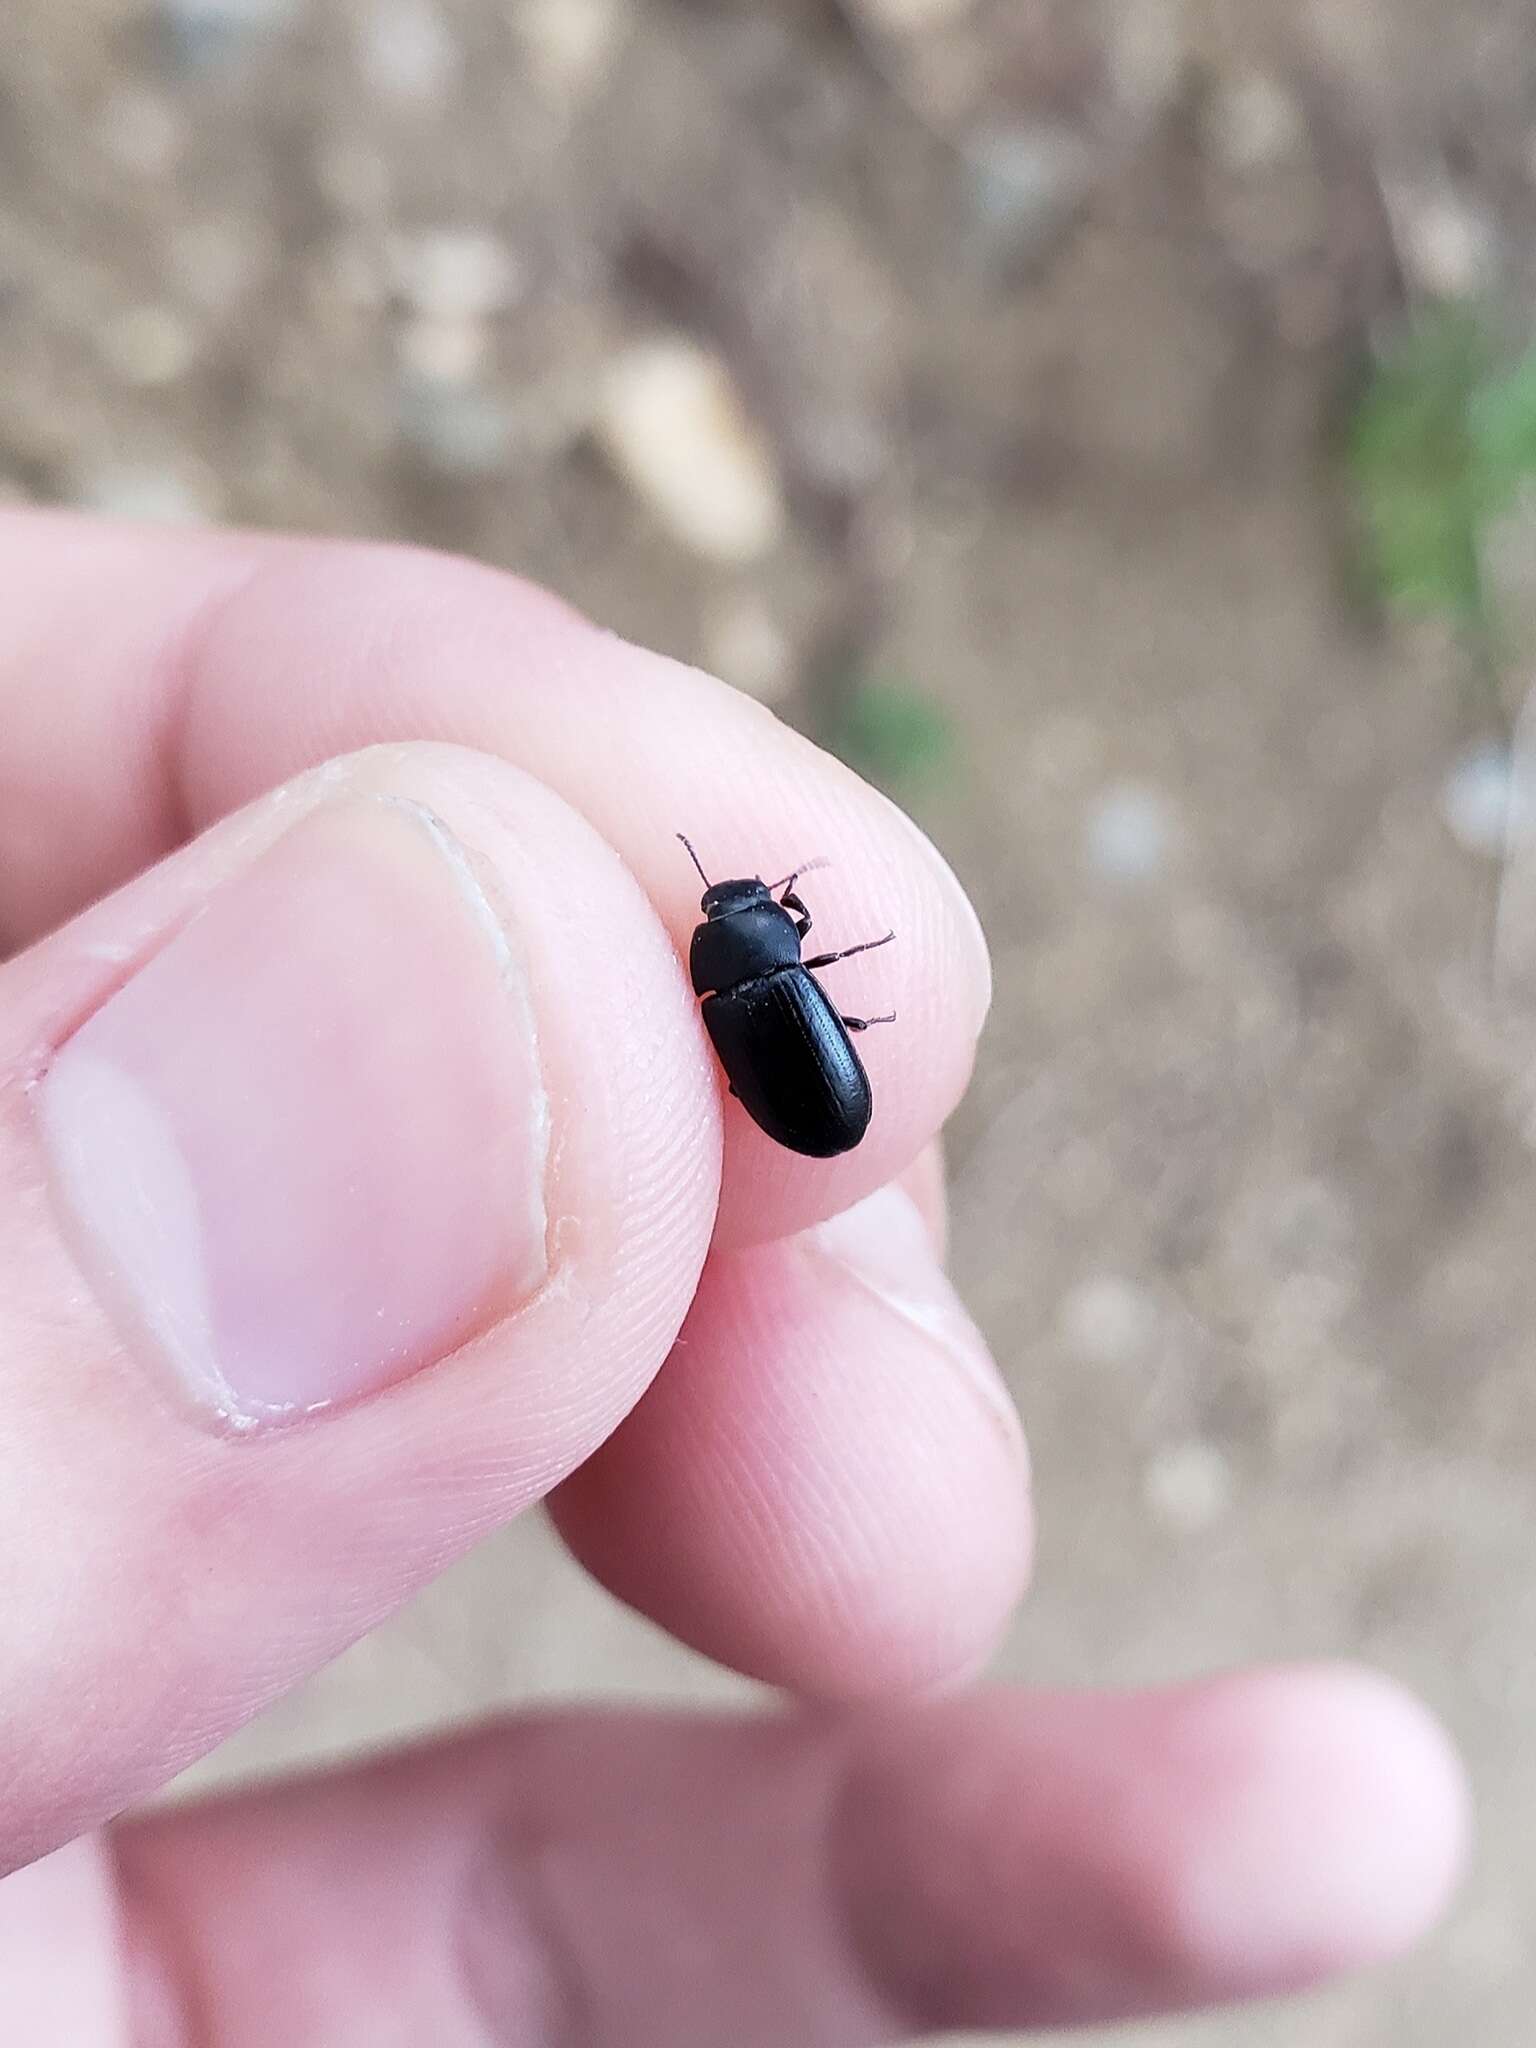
694 858
806 867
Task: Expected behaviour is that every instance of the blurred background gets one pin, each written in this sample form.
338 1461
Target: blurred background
1110 426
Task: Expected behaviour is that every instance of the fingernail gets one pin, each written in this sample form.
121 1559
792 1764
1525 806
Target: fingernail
884 1245
302 1151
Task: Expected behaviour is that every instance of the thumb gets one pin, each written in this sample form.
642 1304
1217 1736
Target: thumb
337 1230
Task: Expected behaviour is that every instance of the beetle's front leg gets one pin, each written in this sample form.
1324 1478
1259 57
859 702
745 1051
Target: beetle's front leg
863 1023
791 902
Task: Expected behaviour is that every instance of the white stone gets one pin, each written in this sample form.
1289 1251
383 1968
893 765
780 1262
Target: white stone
207 31
1484 803
443 351
455 273
149 345
409 52
571 42
234 14
1447 248
745 646
1252 122
1148 56
1188 1487
1107 1319
159 497
910 17
1129 833
1028 178
141 132
462 433
672 423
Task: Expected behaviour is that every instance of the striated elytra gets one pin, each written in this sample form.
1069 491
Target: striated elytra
785 1049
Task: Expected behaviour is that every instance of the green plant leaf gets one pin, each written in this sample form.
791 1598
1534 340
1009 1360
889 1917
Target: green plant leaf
1418 471
894 733
1501 421
1441 446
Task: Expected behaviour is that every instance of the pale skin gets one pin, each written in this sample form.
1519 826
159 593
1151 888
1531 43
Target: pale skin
820 1484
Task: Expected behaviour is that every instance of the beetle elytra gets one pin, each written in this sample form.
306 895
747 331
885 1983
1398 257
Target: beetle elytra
785 1048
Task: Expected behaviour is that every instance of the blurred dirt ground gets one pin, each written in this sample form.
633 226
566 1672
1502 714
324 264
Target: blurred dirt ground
990 347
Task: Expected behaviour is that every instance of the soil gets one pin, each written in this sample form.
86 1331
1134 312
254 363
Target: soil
1043 317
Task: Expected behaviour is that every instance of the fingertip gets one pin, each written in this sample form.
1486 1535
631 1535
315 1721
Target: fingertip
1334 1823
972 954
876 872
847 1487
1073 1858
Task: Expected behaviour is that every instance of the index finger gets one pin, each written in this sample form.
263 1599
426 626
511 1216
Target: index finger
152 682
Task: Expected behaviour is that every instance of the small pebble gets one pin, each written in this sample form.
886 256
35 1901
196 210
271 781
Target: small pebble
149 345
746 647
1447 248
911 17
1485 803
461 433
1107 1319
1129 834
571 42
140 132
1027 180
159 497
456 273
1188 1487
207 32
673 425
1148 56
443 351
409 52
1251 122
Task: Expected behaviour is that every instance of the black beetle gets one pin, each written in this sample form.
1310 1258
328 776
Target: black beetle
785 1050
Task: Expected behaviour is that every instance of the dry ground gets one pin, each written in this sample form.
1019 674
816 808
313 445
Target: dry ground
1041 312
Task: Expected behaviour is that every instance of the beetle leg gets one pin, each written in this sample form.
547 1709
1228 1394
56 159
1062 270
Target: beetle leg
790 901
863 1023
869 945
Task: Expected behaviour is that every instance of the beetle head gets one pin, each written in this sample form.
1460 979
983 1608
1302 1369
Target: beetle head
720 899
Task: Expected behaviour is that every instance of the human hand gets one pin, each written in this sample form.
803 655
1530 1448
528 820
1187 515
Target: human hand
361 1158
